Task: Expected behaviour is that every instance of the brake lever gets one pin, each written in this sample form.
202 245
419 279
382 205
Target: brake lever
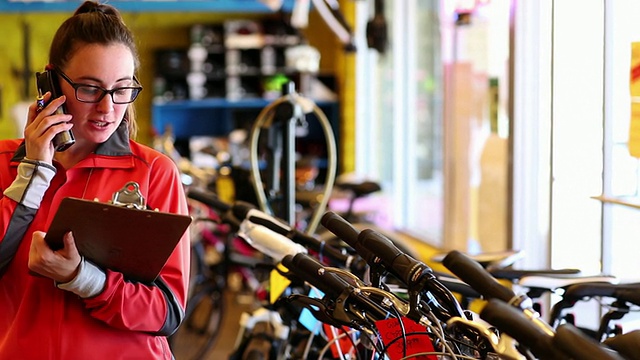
343 273
318 309
389 299
504 345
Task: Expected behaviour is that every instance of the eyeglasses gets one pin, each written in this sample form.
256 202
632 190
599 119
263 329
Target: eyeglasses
93 94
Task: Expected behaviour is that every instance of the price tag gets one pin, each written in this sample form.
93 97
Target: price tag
277 283
415 341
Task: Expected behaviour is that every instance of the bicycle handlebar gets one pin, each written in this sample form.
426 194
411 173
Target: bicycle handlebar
239 210
627 344
409 270
256 216
574 343
517 325
346 232
477 277
383 256
354 263
309 269
377 250
348 303
341 228
269 242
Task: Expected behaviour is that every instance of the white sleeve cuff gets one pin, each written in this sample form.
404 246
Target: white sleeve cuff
31 183
88 283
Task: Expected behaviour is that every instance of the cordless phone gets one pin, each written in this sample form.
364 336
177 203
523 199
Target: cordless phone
47 81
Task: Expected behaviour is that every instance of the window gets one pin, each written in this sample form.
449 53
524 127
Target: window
400 138
564 131
621 169
436 135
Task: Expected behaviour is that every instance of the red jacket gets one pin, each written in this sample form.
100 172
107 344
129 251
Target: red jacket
127 320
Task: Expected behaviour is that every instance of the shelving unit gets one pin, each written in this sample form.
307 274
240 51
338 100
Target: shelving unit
218 117
237 59
234 62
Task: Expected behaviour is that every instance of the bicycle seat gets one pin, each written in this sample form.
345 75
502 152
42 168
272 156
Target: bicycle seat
359 189
517 274
583 291
628 292
552 282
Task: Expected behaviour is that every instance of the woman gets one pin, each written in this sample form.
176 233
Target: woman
86 312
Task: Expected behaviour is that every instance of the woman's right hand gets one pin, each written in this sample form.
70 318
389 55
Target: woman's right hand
42 126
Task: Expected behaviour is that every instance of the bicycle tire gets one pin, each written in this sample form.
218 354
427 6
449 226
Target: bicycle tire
201 326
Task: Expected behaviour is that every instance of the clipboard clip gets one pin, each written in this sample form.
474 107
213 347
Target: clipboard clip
129 196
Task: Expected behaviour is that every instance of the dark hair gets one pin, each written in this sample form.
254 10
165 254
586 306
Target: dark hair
93 23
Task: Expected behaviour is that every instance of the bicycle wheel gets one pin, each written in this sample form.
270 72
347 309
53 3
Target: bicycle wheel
199 331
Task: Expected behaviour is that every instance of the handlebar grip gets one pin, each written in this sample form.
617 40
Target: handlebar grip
312 271
247 211
340 227
353 263
208 198
471 272
380 245
241 209
627 344
349 234
403 266
268 241
573 342
515 323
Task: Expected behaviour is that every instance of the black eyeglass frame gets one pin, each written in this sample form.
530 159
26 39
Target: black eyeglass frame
136 89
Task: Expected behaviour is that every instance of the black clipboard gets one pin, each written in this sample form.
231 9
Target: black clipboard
134 242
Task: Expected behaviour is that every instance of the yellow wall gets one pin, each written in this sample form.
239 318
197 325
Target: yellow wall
343 65
346 71
11 59
153 31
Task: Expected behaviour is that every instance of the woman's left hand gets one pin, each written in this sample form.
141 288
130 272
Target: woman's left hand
60 265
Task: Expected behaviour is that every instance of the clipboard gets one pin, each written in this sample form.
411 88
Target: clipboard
134 242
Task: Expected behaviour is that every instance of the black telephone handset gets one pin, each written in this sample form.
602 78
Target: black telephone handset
47 81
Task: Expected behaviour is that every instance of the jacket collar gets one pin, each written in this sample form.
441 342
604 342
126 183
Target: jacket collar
116 145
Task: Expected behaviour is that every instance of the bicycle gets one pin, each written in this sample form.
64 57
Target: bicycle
549 340
217 256
365 308
354 192
619 298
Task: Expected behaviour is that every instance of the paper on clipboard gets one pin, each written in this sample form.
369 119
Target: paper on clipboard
135 242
